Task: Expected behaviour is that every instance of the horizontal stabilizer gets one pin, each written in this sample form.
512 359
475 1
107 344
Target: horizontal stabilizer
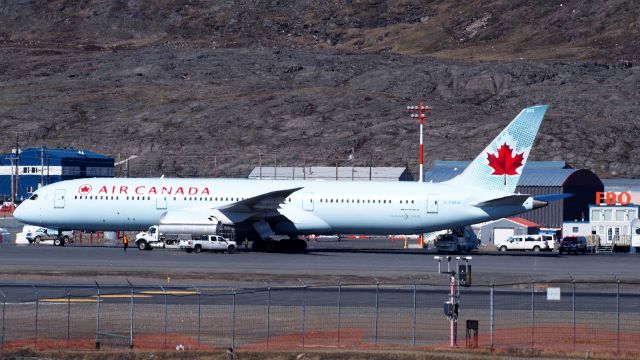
552 197
511 200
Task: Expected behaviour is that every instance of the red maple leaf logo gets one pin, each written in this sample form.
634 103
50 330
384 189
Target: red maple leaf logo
505 163
84 189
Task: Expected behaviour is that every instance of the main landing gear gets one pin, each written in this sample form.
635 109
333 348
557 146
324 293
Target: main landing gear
271 245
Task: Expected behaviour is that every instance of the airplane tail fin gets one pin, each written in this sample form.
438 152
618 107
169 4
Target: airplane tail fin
499 165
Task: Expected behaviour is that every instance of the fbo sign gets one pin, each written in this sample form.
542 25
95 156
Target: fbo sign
613 198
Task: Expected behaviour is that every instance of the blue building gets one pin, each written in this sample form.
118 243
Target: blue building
42 166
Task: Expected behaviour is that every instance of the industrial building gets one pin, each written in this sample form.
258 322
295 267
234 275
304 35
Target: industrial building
332 173
501 229
32 168
542 178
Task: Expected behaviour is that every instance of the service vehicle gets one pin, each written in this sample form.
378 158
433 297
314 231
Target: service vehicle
41 234
525 242
153 239
573 244
208 243
457 240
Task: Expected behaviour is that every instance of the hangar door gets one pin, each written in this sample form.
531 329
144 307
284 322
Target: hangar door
502 234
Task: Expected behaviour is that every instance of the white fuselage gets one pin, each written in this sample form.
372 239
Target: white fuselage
320 207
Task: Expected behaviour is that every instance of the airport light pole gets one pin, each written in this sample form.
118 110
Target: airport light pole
451 306
421 114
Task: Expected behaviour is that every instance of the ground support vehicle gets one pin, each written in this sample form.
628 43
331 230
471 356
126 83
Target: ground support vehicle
458 240
40 234
208 243
154 238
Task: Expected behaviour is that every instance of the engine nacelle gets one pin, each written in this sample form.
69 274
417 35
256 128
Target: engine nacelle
194 222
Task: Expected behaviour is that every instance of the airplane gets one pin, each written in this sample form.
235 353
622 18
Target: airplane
260 209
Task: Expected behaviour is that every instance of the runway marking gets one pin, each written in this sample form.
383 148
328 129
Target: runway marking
158 292
64 300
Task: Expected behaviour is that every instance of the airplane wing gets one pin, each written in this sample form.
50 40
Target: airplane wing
511 200
264 204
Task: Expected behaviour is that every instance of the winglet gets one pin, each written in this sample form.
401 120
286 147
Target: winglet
499 165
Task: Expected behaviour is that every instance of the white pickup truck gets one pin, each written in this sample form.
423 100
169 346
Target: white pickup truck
208 243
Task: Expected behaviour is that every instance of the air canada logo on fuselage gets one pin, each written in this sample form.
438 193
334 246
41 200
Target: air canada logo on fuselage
84 189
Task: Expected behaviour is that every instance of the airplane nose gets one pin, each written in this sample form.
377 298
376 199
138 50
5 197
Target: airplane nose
19 213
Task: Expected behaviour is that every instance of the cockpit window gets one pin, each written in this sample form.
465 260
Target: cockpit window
33 197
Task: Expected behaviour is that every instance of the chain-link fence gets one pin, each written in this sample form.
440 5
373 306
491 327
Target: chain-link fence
565 316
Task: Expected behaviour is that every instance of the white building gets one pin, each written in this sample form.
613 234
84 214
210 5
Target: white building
611 223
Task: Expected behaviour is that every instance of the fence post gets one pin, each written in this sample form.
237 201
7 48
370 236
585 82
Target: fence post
199 313
35 335
68 316
377 311
164 346
573 311
98 317
414 314
304 310
132 312
491 315
533 313
618 315
4 302
233 326
339 309
268 315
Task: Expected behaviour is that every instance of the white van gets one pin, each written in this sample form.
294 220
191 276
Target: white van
526 242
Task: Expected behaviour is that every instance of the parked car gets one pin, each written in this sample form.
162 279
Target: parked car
525 242
573 244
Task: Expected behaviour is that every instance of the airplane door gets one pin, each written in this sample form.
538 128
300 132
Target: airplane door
58 200
432 203
307 201
161 202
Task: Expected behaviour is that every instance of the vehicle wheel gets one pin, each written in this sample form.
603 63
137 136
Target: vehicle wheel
37 240
584 252
189 251
536 248
560 252
231 248
503 248
271 246
57 242
30 241
197 249
142 245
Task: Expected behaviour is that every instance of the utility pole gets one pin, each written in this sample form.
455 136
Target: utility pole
17 157
421 115
41 166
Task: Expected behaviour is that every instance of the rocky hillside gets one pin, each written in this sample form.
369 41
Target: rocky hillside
201 88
